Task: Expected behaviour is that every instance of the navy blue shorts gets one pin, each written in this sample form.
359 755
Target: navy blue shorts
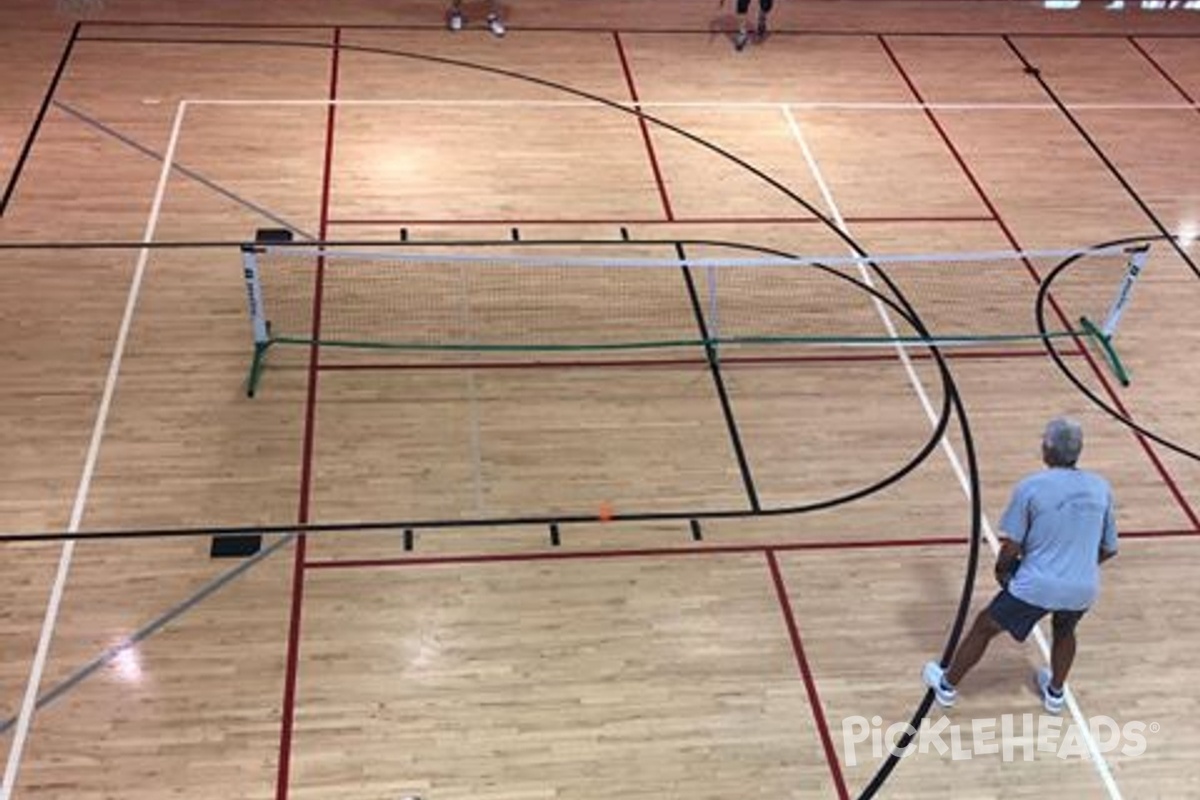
1018 617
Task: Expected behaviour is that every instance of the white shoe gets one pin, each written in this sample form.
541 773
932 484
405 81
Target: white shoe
935 678
496 25
1053 703
456 20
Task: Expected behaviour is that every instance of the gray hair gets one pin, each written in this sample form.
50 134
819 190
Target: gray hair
1062 442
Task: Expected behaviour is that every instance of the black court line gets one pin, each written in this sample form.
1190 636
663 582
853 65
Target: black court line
1036 74
714 366
41 115
952 402
1006 230
666 31
975 539
684 551
411 244
1164 72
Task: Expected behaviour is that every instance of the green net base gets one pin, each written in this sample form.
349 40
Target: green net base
1088 331
1105 343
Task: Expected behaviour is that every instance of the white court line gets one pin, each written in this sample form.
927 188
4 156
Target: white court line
714 104
1102 767
50 621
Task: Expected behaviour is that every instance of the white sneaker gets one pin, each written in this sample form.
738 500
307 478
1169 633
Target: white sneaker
1053 703
456 20
496 25
934 677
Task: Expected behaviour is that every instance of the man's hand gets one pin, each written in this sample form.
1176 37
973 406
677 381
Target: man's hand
1007 561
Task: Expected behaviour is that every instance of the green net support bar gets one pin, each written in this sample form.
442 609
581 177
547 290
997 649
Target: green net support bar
661 344
1094 334
256 367
260 351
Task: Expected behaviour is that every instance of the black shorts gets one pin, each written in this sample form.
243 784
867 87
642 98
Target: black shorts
1018 617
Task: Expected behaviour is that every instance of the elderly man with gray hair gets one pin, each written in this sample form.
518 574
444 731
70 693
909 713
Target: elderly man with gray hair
1057 530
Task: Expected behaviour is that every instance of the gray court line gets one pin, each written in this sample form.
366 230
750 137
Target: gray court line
150 628
182 170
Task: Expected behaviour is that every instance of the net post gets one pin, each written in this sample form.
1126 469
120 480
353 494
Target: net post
259 324
1133 269
1103 334
258 318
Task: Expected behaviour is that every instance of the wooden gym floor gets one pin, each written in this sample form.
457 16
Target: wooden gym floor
650 658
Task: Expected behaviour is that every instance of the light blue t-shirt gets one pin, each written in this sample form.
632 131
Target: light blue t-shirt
1060 517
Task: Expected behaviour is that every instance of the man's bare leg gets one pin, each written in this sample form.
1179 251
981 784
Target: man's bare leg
972 648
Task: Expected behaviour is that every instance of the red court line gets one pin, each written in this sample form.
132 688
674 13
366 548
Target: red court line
810 684
287 724
1162 534
672 31
645 552
727 361
1150 452
633 95
749 220
682 552
1161 70
287 720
